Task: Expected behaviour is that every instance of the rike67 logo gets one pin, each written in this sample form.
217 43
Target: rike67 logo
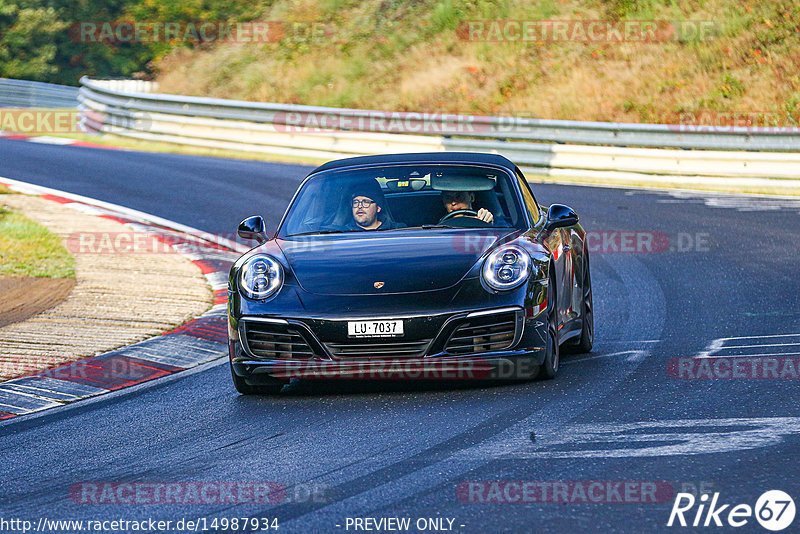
774 510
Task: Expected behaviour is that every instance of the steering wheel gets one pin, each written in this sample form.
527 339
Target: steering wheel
457 213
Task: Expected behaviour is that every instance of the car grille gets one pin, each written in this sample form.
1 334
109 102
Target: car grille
392 349
483 334
274 340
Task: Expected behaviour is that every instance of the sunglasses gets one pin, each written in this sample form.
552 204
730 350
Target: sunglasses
455 196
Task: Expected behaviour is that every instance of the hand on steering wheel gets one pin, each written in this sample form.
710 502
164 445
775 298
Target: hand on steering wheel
457 213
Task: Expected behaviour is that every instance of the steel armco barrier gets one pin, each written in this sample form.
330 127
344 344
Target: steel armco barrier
26 94
547 146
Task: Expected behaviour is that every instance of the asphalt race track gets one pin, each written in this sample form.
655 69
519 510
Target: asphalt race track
718 267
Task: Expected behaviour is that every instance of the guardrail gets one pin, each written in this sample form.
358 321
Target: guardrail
549 146
27 94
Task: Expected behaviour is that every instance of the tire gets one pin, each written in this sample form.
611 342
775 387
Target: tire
246 389
586 340
552 358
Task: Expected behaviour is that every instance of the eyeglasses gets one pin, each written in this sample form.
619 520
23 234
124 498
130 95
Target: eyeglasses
363 203
455 197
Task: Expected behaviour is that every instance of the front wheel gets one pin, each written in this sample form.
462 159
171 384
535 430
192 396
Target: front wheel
552 358
586 340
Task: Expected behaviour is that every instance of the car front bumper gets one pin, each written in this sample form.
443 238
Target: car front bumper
441 346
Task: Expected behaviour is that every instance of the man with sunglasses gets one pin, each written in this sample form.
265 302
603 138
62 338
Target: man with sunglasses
462 201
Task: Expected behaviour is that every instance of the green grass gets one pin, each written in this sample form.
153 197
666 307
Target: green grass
30 249
445 16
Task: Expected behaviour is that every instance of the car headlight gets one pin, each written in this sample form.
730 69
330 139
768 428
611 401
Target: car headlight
507 267
260 277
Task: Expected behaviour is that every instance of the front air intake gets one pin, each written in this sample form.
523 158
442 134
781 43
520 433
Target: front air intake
276 341
485 333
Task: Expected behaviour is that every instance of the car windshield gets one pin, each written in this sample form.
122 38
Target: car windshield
398 197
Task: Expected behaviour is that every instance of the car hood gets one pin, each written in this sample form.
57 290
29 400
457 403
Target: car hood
357 264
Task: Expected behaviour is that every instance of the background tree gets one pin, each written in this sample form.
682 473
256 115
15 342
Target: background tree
28 35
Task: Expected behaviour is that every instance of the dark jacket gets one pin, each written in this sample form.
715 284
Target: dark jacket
385 225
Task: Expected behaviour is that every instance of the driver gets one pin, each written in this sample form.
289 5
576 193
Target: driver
367 203
462 200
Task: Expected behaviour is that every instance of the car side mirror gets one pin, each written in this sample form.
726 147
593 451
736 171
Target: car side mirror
253 228
559 216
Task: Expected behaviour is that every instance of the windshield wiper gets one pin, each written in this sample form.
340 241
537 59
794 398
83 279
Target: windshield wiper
319 232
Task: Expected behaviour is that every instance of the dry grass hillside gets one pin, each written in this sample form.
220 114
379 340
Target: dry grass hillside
417 56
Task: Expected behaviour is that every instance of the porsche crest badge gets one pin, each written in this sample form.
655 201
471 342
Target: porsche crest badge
378 285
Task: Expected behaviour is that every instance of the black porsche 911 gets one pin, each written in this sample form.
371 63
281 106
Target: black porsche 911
439 265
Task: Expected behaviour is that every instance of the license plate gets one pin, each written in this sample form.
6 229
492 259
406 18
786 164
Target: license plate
374 328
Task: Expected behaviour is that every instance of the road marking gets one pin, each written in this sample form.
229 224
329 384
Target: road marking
645 291
754 346
738 202
634 356
713 347
676 437
629 342
759 337
716 356
717 346
48 140
217 280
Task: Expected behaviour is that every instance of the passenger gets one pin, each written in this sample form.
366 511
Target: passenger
462 200
367 203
